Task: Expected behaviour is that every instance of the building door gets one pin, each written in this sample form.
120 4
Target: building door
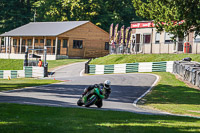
138 43
58 48
180 44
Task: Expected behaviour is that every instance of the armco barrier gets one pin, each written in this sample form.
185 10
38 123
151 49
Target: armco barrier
27 72
189 71
165 66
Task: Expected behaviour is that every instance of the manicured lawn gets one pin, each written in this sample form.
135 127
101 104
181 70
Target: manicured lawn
11 64
6 84
119 59
173 95
56 63
26 118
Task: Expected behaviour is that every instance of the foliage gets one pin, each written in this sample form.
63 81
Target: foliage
15 13
26 118
168 13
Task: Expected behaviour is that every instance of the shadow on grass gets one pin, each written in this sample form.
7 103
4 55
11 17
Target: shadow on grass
24 118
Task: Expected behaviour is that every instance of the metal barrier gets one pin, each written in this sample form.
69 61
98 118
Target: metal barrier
189 71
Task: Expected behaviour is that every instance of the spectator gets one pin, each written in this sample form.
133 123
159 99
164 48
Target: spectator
40 63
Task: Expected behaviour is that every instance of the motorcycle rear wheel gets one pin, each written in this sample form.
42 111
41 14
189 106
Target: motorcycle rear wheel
79 102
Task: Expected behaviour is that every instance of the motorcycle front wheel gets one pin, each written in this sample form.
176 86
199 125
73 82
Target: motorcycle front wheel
91 101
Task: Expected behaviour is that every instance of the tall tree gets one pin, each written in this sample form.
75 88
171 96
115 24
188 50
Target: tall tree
14 13
178 17
100 12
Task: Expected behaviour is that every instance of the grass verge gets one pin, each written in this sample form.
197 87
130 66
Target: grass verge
119 59
26 118
17 64
174 96
11 64
23 82
56 63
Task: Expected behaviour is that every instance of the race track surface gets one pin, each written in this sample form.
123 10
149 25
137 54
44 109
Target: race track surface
126 88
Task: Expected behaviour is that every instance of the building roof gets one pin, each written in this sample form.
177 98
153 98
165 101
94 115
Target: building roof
44 28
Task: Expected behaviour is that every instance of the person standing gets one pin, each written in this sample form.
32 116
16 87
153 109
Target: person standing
40 63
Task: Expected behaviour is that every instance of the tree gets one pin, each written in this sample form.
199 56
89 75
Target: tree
14 13
100 12
179 17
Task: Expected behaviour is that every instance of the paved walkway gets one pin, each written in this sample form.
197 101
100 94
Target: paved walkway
126 88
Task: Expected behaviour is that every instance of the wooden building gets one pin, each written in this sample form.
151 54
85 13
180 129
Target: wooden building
70 39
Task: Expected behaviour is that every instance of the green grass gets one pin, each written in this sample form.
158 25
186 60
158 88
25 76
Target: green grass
56 63
6 84
170 94
26 118
11 64
17 64
119 59
174 96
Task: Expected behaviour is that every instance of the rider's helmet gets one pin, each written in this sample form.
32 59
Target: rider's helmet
107 84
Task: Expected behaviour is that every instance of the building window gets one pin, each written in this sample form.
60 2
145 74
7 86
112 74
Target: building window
36 40
14 42
157 39
168 38
197 38
147 38
78 44
29 42
106 46
48 42
64 43
41 40
24 42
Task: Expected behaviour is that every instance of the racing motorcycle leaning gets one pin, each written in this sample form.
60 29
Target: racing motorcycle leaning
94 97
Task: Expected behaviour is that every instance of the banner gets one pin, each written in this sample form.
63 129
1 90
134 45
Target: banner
116 33
129 40
111 33
127 35
121 41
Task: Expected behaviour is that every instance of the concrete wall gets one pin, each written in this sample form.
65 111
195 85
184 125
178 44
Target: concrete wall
27 72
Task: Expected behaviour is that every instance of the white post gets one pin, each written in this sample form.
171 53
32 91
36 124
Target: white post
20 43
56 46
45 39
6 44
11 47
0 44
33 45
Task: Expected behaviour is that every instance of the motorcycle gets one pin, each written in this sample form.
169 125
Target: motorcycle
90 99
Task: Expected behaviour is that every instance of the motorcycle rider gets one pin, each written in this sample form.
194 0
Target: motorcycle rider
104 91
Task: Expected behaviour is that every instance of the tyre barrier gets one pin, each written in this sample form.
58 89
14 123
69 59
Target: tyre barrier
189 71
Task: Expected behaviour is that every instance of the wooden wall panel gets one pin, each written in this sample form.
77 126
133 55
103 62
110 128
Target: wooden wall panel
93 38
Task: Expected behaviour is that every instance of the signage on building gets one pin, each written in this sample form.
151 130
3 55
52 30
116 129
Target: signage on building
142 25
150 24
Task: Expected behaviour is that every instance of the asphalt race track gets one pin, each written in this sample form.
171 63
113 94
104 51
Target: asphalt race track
126 88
